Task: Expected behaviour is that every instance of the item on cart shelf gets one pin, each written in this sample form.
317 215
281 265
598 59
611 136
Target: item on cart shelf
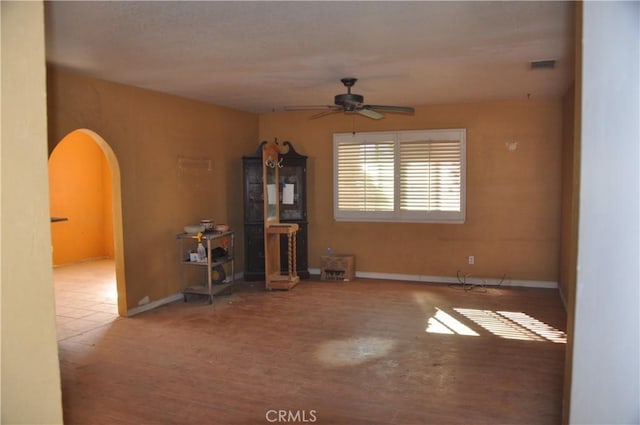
207 225
221 228
218 252
193 228
218 275
202 253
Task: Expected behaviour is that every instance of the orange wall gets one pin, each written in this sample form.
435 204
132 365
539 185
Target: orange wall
513 198
149 132
80 189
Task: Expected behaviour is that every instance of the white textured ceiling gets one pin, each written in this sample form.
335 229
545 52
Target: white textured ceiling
262 56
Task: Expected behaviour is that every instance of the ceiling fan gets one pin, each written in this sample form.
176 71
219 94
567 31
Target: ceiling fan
352 102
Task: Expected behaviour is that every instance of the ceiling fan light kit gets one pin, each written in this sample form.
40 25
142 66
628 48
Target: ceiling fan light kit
352 102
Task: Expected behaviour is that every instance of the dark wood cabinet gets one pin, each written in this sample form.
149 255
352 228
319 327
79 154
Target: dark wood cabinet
293 209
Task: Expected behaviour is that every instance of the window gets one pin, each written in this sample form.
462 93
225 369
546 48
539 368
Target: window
412 176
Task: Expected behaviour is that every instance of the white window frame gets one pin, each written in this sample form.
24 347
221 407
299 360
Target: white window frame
397 215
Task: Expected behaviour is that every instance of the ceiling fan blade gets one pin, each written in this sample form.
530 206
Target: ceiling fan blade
370 113
403 109
325 113
351 103
309 107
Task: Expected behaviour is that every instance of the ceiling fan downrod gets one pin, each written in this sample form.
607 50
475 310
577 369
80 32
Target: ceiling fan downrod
348 83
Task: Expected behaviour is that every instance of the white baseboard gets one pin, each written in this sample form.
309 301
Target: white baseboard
387 276
447 279
157 303
154 304
562 298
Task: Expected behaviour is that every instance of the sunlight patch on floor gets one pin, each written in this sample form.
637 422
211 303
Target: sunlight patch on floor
513 325
498 325
444 323
112 292
540 328
353 351
505 324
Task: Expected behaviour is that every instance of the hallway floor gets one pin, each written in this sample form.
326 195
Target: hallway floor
86 297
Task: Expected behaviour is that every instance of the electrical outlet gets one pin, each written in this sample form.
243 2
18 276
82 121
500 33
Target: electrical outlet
472 259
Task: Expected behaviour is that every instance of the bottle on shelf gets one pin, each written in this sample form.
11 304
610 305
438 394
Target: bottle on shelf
202 253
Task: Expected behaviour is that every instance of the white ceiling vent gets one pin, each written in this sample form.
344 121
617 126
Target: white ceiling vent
544 64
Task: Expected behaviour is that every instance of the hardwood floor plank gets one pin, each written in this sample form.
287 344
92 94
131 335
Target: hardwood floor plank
353 353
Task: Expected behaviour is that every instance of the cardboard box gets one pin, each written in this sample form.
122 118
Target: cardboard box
337 268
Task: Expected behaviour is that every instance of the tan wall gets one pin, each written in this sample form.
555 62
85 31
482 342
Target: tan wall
570 191
30 374
571 163
149 132
80 190
513 197
106 191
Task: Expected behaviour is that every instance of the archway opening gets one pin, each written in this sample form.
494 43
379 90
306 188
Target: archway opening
86 209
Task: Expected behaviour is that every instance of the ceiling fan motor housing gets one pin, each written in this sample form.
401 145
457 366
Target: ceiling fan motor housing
349 101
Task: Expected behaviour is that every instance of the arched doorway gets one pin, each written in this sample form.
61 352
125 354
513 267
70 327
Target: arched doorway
85 179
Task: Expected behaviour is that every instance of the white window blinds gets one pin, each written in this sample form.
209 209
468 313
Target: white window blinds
415 176
430 174
366 176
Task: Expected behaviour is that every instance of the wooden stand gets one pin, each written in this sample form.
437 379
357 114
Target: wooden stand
274 279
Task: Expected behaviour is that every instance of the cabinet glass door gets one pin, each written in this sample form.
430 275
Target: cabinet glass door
254 191
291 187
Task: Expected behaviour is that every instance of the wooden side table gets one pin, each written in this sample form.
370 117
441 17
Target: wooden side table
274 279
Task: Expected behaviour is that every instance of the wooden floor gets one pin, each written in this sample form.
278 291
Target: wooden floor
363 352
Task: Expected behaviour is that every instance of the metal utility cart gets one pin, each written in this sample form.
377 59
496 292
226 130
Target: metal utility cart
215 266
